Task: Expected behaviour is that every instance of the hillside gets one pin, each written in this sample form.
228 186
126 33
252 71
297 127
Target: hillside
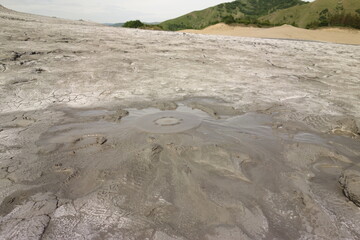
319 13
243 10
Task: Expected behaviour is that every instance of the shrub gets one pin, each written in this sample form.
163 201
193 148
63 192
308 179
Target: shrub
337 20
133 24
228 19
294 24
178 26
323 21
346 20
324 12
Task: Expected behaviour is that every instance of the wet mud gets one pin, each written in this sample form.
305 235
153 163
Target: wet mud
184 174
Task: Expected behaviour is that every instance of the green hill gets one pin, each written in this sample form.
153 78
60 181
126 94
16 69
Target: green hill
237 11
319 13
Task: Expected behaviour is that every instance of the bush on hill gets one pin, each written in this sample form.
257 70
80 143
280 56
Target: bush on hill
248 21
134 24
228 19
346 20
337 20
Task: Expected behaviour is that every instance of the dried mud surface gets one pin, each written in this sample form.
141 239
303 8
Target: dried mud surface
113 133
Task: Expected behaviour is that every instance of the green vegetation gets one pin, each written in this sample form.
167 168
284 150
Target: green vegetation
319 13
134 24
260 13
139 24
337 20
239 11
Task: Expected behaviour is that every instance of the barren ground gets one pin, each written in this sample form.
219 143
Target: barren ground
111 133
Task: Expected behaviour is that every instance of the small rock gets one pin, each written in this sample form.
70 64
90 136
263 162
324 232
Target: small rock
39 70
15 56
122 113
65 210
350 182
346 126
117 116
207 109
101 140
166 105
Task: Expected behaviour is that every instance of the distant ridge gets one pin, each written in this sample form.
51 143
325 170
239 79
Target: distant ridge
271 13
239 10
2 8
9 14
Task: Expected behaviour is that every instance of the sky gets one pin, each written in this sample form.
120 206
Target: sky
110 11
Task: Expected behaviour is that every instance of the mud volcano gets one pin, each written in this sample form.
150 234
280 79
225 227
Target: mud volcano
185 174
168 122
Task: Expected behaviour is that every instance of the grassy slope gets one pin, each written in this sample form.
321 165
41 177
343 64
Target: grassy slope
237 9
308 13
199 19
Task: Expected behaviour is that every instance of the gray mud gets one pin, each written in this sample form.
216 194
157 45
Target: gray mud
181 174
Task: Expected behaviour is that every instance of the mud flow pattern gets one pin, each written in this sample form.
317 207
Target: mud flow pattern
168 122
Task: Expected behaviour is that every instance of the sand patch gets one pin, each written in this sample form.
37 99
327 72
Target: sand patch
336 35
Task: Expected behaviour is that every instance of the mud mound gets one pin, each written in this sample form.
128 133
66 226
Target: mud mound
168 122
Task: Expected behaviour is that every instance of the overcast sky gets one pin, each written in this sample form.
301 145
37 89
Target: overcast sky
110 11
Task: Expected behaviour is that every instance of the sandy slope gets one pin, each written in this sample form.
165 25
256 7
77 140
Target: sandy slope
336 35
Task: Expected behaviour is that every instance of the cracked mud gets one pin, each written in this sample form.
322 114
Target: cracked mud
110 133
